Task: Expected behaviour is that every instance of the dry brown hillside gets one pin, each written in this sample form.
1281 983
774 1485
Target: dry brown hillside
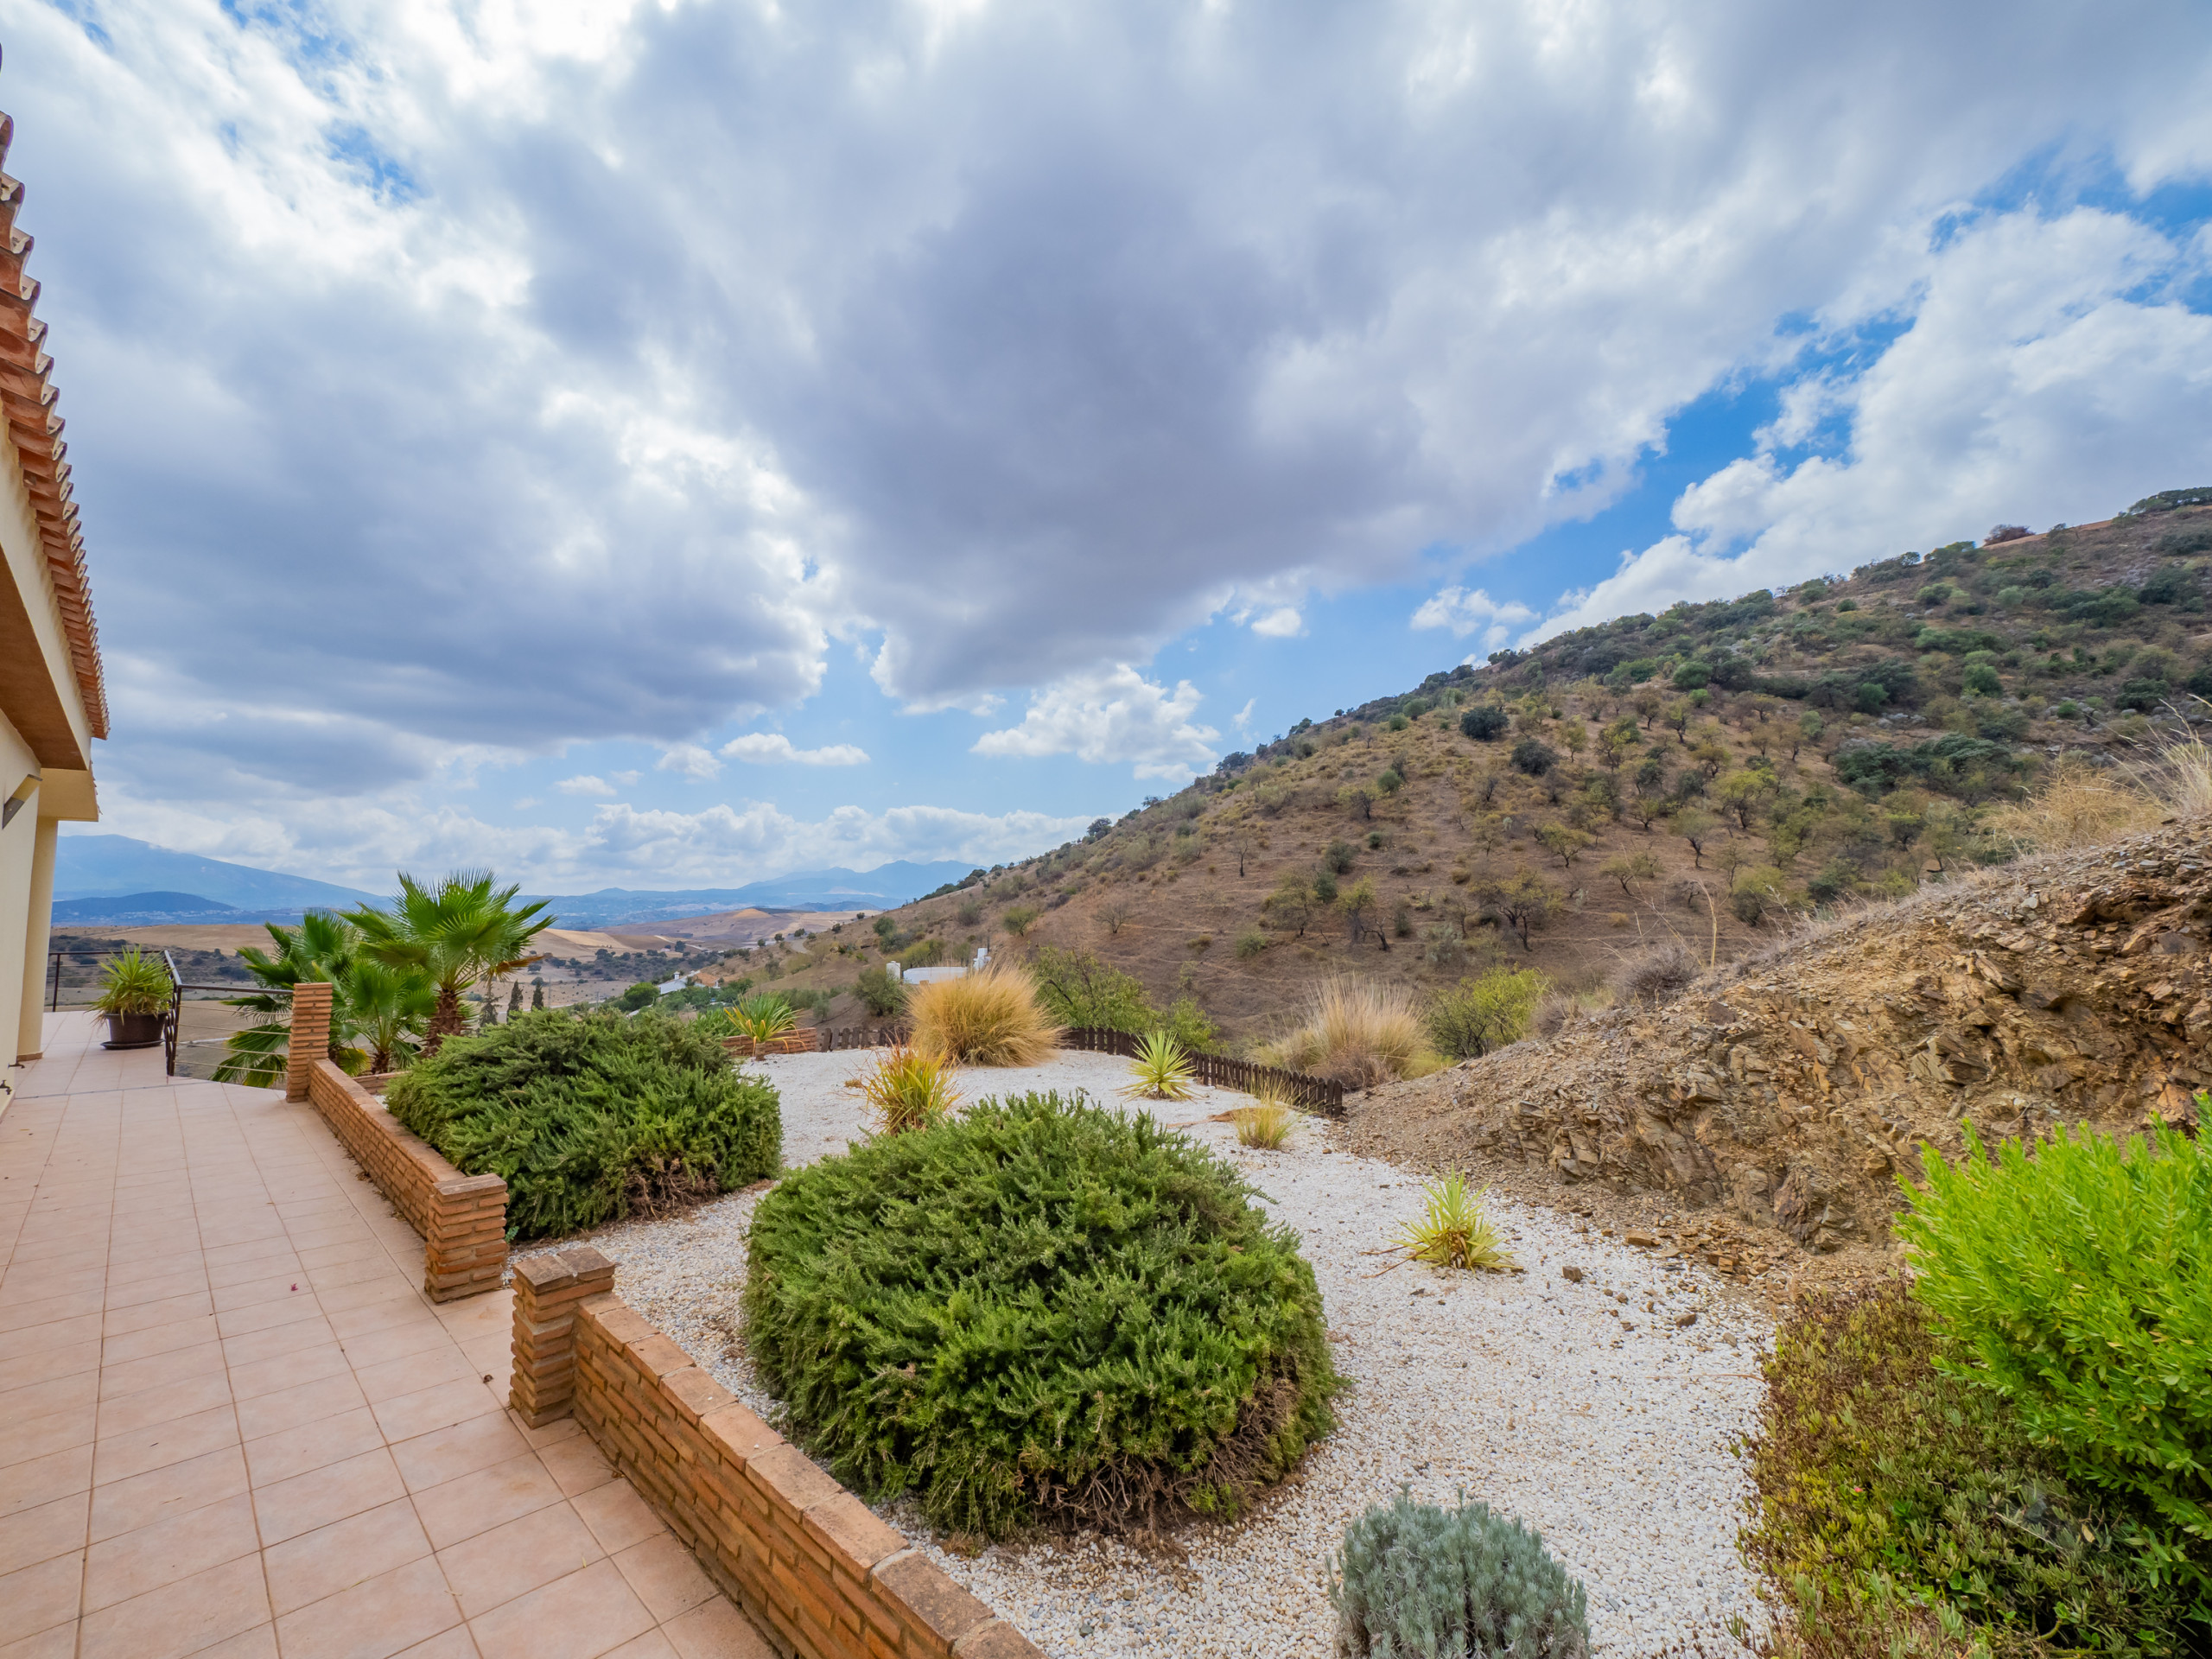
1790 1088
1835 743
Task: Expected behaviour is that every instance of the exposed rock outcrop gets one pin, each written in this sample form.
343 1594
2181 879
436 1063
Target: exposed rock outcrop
1791 1087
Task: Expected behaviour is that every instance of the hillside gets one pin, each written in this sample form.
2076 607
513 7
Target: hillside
1701 776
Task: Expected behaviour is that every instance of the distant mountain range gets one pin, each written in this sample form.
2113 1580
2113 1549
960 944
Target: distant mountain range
115 880
115 867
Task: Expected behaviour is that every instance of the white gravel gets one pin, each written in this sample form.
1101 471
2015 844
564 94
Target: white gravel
1599 1422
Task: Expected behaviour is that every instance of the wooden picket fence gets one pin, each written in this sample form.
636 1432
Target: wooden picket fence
1219 1072
1215 1070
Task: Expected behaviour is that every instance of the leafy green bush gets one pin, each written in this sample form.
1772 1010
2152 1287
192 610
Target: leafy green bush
1250 942
879 993
1338 856
1417 1579
2077 1287
1893 1503
643 995
590 1119
1533 757
1078 990
1484 722
1041 1308
1477 1016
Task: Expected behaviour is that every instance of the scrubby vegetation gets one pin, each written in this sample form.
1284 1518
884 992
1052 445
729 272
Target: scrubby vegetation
2012 1449
1415 1580
589 1118
1039 1310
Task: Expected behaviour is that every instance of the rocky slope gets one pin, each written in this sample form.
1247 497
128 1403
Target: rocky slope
1781 1094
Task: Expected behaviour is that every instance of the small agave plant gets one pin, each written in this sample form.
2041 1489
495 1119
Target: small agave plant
762 1019
1161 1069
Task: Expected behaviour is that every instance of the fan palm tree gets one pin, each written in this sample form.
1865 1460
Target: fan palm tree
377 1013
454 934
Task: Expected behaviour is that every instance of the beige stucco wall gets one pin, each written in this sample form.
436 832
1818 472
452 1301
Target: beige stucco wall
28 842
18 850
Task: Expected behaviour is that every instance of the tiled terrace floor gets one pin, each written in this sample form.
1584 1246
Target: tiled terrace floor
231 1424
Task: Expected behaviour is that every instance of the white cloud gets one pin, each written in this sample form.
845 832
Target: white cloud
722 845
689 761
585 784
1465 613
1243 719
1283 623
771 748
2046 377
1111 716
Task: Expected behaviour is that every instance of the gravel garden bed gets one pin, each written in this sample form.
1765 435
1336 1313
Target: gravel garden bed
1606 1423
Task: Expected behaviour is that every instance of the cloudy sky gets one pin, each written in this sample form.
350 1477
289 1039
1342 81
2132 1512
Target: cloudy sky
669 443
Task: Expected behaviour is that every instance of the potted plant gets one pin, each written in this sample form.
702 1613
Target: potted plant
135 992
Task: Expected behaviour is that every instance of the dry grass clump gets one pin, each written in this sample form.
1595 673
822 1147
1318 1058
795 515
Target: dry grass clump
2083 805
2174 770
1455 1230
1267 1123
1358 1032
1658 974
987 1018
908 1090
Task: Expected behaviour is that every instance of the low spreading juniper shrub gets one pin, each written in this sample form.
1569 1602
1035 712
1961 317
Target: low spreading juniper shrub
593 1118
1416 1581
1041 1310
1898 1510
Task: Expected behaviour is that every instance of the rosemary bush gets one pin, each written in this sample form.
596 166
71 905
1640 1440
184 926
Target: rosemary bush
1039 1309
590 1119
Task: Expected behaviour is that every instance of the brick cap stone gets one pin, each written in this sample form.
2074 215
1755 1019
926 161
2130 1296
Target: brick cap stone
741 1434
850 1527
920 1587
785 1471
996 1640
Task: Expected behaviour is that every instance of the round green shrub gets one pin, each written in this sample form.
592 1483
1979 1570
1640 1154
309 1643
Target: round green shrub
590 1119
1041 1310
1417 1579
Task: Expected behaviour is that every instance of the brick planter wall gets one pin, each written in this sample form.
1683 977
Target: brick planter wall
821 1576
462 1218
805 1041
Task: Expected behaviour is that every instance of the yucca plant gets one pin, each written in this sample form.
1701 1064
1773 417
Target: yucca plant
762 1018
133 982
908 1090
1454 1230
1161 1069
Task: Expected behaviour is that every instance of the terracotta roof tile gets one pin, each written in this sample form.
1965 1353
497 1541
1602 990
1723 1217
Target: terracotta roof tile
26 395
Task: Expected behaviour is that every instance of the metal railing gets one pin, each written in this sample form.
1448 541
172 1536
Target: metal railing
173 1021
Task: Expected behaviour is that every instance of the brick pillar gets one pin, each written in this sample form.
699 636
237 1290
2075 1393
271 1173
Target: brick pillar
310 1035
548 1289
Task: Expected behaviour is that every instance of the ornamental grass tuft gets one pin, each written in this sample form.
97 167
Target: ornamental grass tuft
908 1090
589 1120
1265 1123
988 1017
1041 1310
1417 1581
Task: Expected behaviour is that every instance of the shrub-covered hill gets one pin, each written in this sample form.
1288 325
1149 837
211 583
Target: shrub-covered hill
1695 776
